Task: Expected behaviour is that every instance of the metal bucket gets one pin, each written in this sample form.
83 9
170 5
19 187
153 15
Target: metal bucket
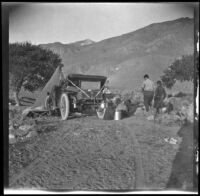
118 115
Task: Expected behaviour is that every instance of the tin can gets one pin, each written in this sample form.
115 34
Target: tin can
118 115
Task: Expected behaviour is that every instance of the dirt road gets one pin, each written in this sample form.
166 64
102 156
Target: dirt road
81 154
91 154
157 155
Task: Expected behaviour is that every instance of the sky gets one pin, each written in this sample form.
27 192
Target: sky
70 22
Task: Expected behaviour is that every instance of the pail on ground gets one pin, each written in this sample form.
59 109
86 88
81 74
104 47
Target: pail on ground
118 115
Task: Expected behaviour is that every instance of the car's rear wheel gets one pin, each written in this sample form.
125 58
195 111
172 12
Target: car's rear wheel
64 106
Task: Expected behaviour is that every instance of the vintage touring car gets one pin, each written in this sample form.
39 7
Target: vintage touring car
78 92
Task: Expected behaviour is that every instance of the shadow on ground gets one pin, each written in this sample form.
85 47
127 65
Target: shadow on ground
183 174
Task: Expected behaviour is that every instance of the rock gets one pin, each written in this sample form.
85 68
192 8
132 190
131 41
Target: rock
12 139
141 105
139 112
137 98
12 101
25 127
40 108
164 109
131 109
187 112
176 102
150 117
116 100
171 140
179 94
169 107
32 134
168 118
26 111
11 136
185 103
121 107
21 133
184 108
77 114
11 128
190 113
174 93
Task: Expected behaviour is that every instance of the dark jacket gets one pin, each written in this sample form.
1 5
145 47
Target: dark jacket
159 96
160 93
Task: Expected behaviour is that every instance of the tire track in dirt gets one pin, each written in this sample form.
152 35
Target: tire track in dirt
139 183
156 154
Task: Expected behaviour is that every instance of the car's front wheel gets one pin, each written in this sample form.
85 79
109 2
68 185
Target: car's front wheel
64 106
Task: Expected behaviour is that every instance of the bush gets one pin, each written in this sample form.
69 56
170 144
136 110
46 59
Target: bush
181 70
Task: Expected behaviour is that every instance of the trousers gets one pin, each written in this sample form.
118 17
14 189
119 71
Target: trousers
148 97
158 104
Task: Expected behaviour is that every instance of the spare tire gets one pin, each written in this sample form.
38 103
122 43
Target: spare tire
64 106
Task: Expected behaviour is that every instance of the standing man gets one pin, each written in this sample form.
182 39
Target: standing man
148 92
160 95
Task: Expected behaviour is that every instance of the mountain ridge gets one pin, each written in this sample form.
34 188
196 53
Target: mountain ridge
126 58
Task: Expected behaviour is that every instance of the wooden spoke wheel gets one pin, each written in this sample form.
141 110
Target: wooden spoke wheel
64 106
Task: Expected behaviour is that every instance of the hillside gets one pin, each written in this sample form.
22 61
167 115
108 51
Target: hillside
126 58
67 49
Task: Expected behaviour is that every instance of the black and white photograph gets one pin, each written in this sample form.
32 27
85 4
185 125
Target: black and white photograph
102 97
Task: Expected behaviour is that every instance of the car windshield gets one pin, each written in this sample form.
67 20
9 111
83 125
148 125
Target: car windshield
90 85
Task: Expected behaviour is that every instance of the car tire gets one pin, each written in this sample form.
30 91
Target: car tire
64 106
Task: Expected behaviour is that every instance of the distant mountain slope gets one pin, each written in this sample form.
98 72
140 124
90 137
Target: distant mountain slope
67 49
126 58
